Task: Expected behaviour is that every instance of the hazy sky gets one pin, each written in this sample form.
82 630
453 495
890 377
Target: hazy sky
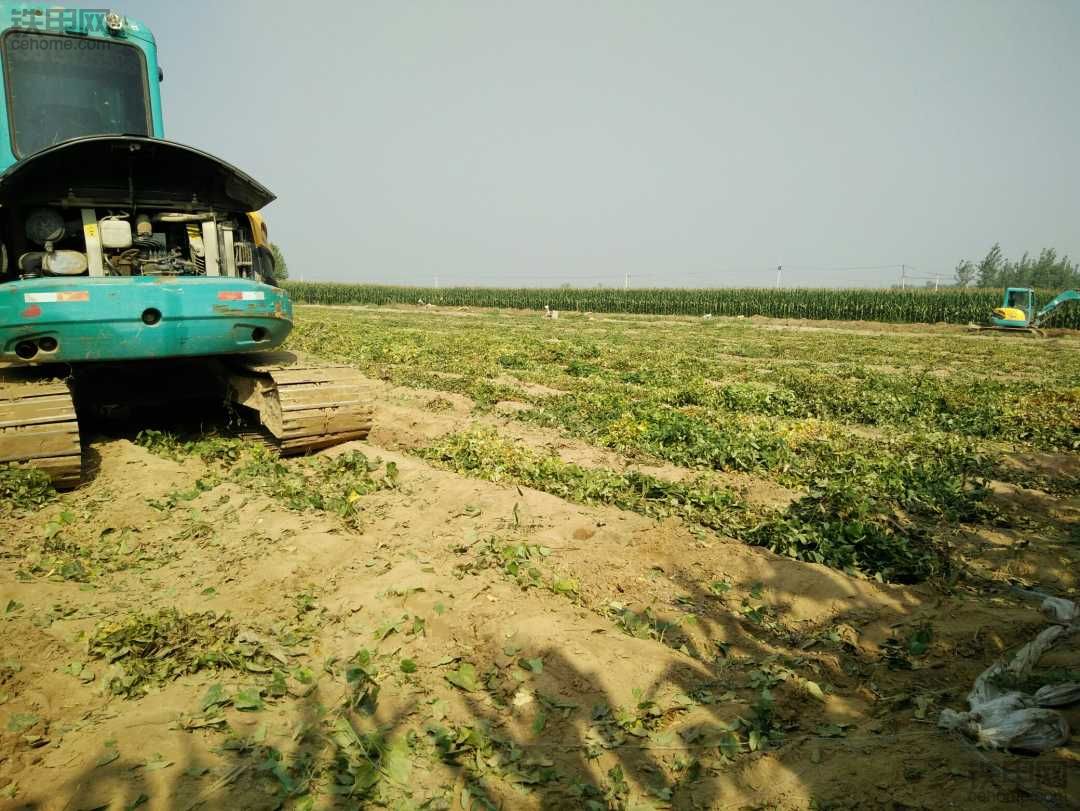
684 143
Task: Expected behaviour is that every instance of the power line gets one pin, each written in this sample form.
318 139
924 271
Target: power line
845 267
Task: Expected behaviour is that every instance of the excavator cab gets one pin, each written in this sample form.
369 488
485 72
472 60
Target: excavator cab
1017 308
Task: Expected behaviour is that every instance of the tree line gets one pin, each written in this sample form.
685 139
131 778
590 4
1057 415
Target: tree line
1047 271
281 270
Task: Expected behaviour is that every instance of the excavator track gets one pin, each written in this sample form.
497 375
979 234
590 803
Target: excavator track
303 404
1038 333
38 424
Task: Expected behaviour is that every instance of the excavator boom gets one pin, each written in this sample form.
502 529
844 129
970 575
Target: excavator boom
1057 301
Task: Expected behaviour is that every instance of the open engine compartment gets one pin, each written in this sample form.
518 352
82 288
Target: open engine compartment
54 241
131 206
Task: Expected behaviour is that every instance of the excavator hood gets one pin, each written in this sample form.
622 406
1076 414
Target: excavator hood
126 170
1010 314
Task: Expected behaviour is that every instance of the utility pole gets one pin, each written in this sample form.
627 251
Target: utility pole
903 277
937 279
627 285
779 271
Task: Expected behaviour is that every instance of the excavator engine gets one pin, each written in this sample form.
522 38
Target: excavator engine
158 243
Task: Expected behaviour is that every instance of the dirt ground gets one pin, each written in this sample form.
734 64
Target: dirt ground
578 706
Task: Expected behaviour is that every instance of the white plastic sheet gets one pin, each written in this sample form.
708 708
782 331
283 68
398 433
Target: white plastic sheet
1001 718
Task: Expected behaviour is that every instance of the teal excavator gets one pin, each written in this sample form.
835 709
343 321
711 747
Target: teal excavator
1017 312
135 272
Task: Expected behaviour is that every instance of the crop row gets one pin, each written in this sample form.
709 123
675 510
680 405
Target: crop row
982 389
836 523
951 305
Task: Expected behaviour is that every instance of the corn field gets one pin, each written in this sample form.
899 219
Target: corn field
950 305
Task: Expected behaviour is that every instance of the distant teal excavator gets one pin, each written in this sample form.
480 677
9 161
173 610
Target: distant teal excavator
1017 311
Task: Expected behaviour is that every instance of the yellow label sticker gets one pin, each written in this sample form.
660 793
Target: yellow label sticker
91 230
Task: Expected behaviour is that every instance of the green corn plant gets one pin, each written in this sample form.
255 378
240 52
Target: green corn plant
951 305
